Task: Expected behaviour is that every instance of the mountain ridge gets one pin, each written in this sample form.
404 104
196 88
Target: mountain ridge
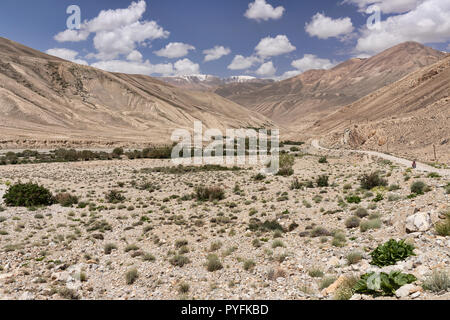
299 101
45 99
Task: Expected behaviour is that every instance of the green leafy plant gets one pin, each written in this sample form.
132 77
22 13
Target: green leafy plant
323 160
391 252
382 284
353 199
28 195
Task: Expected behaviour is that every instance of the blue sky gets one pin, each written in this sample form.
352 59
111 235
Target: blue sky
263 38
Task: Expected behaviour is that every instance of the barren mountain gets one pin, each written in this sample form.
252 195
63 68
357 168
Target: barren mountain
203 82
49 101
303 99
406 118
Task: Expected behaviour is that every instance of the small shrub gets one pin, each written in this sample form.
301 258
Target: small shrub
345 291
131 276
148 257
249 265
114 196
28 195
183 288
296 185
179 260
443 228
323 160
354 257
286 162
372 180
361 212
109 247
353 199
66 199
209 193
213 263
326 282
378 198
259 177
277 244
319 232
339 239
316 273
370 224
322 181
419 187
352 222
391 252
438 281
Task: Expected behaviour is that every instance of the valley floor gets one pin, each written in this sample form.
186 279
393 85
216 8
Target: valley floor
88 251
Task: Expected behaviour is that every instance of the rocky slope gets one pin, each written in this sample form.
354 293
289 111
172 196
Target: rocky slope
301 100
46 101
407 117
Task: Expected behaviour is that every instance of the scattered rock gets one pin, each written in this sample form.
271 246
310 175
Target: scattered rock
332 288
407 290
418 222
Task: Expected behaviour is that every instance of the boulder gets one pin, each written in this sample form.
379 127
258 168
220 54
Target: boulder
332 288
406 290
419 222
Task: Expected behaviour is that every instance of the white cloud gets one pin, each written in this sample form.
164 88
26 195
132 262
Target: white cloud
216 53
289 74
270 47
117 32
325 27
266 70
186 67
66 54
175 50
428 23
72 36
130 67
387 6
135 56
240 62
310 61
108 20
261 10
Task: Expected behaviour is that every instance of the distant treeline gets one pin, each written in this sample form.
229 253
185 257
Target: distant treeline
72 155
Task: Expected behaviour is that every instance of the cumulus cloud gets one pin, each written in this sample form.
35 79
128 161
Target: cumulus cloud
117 32
186 67
216 53
325 27
66 54
308 62
289 74
266 69
271 47
240 62
261 10
133 67
135 56
181 67
387 6
311 61
175 50
428 23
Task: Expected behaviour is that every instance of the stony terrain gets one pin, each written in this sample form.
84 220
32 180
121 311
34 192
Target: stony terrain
92 249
